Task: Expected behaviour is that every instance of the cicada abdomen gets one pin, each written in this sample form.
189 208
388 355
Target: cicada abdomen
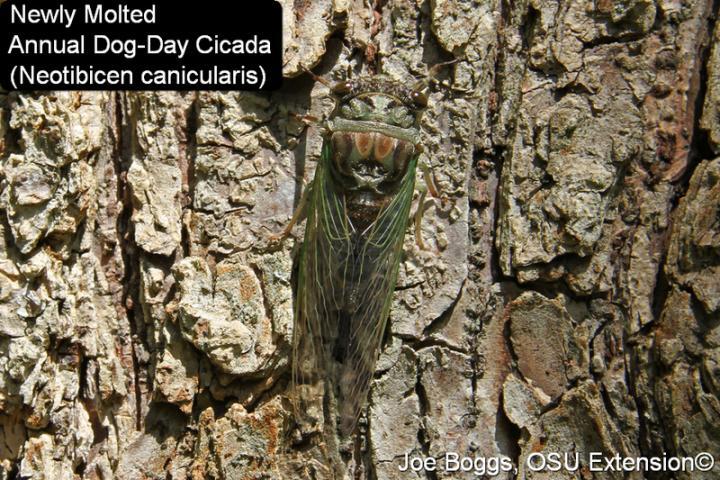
358 210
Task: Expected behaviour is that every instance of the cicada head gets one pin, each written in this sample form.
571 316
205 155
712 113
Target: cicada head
381 100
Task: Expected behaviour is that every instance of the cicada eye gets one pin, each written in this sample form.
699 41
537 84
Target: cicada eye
419 98
342 88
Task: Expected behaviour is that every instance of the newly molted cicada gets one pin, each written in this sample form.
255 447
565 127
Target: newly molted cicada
358 210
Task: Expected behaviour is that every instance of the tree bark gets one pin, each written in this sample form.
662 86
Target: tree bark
568 301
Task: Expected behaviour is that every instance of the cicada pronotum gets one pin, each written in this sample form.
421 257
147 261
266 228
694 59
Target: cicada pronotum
358 210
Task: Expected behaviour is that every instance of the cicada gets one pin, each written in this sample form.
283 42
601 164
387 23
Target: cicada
358 210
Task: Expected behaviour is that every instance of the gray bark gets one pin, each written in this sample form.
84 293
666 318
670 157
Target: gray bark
568 300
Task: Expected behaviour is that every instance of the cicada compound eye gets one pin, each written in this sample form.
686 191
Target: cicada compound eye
419 98
342 88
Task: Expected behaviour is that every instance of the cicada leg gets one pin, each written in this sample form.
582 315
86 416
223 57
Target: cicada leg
431 187
435 193
305 119
297 215
418 218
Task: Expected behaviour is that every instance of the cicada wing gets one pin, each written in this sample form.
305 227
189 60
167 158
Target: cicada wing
369 283
324 254
345 286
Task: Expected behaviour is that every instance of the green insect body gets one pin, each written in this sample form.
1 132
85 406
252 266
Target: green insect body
358 209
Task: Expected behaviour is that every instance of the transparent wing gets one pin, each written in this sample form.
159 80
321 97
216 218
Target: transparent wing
326 249
345 290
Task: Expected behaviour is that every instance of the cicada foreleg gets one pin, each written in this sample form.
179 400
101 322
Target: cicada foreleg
299 213
429 187
306 120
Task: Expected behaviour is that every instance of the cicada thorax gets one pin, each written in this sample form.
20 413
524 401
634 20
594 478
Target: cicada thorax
370 166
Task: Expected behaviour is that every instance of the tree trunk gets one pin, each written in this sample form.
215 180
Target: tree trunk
568 300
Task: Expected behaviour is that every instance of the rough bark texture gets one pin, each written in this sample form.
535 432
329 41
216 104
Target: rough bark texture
569 299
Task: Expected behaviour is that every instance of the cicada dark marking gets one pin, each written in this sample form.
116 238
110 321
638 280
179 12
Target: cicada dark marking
358 210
